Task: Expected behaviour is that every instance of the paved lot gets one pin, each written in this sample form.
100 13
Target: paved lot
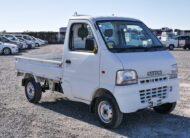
56 117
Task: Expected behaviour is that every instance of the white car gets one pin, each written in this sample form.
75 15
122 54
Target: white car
24 43
37 42
43 42
9 38
99 68
7 49
28 40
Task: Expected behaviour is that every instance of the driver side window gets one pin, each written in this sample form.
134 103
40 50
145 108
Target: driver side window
81 38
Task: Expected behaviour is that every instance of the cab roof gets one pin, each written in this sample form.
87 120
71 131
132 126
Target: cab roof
101 18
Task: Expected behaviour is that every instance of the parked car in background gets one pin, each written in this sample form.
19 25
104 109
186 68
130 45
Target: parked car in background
37 42
184 41
7 48
44 42
23 41
27 39
6 40
169 40
10 36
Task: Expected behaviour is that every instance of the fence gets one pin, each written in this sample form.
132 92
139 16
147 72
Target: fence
51 37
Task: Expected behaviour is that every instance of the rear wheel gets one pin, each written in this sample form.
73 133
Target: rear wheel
32 90
184 47
165 108
171 47
108 112
6 51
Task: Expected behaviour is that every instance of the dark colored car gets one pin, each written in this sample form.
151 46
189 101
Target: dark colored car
184 41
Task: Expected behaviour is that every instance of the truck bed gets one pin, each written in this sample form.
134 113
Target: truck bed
46 66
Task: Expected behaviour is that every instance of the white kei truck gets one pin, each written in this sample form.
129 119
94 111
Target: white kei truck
169 40
101 67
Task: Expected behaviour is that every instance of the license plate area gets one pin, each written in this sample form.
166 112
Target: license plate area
154 102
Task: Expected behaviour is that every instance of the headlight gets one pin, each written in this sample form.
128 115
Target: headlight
126 77
174 71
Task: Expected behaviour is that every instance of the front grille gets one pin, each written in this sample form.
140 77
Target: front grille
148 94
152 80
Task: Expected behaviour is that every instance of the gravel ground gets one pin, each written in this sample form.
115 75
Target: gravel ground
56 117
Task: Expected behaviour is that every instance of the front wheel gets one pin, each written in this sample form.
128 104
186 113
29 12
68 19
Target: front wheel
107 111
37 45
165 108
32 90
6 51
171 47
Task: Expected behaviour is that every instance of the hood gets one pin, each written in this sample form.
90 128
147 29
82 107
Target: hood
144 62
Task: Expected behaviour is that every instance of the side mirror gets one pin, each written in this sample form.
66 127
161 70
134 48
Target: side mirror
90 46
108 32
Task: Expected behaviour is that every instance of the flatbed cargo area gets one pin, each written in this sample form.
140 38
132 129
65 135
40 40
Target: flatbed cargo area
46 66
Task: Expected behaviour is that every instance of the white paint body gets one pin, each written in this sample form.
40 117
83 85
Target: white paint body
81 79
28 42
167 41
12 47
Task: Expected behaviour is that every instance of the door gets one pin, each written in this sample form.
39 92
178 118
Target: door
81 63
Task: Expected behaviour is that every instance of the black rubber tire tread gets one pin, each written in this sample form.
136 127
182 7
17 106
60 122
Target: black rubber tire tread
117 115
171 47
165 108
38 91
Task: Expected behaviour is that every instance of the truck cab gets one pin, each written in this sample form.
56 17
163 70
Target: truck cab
114 64
170 40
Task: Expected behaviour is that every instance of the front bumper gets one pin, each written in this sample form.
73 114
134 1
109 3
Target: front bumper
14 50
129 99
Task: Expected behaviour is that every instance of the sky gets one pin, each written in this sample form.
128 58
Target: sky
50 15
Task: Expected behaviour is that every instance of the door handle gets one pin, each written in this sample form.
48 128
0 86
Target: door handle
68 61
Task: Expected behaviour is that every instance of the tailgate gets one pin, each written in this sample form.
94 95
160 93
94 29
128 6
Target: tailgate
50 69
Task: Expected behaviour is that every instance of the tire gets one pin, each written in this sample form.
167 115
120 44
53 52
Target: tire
32 90
37 45
184 48
108 112
29 46
6 51
165 108
171 47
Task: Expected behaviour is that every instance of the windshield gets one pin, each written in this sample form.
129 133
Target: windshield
127 35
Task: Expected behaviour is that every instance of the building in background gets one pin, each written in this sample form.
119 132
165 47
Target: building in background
158 32
61 34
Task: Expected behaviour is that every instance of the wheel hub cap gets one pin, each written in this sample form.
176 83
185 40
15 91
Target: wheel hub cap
105 112
6 51
30 90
